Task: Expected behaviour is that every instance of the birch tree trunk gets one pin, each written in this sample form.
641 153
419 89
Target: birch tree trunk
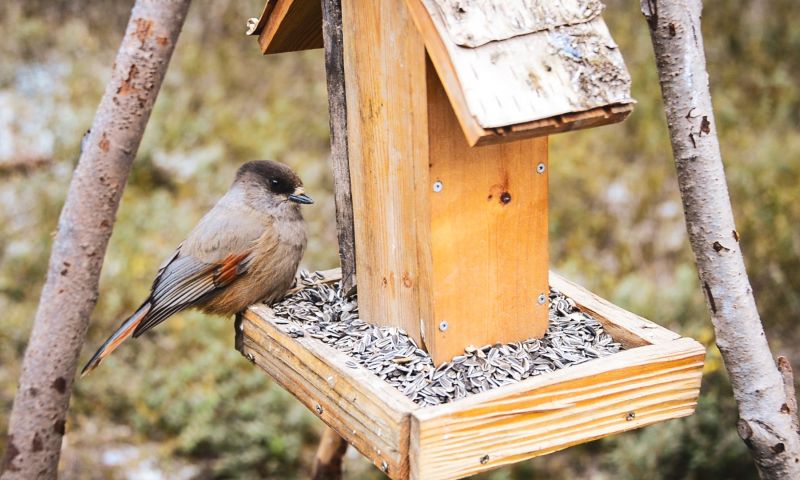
763 390
37 421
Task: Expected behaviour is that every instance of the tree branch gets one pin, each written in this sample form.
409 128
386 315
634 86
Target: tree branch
37 420
765 423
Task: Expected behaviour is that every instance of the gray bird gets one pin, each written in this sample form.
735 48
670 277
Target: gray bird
244 250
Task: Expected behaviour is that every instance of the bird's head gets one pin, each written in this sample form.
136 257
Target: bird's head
269 184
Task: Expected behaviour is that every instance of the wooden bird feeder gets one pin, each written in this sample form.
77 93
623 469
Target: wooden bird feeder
448 107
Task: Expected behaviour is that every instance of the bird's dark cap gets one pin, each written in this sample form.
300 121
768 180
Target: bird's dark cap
275 176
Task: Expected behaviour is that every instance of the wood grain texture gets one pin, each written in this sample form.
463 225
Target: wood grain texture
543 414
472 23
289 26
625 327
384 60
369 414
531 85
337 108
550 412
488 236
329 456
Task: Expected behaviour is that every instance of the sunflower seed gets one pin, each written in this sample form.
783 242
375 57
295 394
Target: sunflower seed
319 311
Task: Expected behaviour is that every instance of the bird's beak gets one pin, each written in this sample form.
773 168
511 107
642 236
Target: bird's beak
299 196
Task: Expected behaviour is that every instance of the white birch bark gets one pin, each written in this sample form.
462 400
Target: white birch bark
767 416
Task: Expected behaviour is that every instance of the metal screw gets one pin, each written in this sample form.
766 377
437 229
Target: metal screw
251 357
540 168
484 459
437 186
318 408
443 325
630 416
542 299
384 467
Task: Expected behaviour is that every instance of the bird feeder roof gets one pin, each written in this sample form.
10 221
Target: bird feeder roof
511 68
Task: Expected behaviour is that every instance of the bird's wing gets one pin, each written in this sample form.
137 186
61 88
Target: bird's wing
186 281
217 252
180 283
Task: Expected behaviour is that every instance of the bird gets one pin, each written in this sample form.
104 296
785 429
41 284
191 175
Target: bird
246 249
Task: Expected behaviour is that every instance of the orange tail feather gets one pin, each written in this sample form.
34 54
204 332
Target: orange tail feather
114 341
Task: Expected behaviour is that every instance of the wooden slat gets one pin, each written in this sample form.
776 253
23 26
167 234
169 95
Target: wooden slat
553 411
369 414
289 26
384 60
495 101
625 327
488 236
543 414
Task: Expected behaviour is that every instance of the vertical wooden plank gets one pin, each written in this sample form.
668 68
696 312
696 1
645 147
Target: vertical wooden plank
332 447
384 60
488 233
337 106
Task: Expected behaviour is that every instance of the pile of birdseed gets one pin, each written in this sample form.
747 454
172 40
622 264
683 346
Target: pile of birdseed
320 312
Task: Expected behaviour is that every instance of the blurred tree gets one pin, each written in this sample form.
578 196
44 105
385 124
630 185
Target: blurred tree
38 418
764 391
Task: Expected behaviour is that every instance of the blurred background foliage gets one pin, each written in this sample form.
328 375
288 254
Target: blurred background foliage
181 403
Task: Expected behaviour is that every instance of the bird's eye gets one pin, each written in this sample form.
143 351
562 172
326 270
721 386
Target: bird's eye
275 182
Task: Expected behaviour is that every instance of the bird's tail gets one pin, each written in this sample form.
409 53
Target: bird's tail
123 332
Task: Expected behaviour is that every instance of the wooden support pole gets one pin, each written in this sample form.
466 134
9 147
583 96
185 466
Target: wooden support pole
332 447
452 239
329 457
488 236
387 135
337 106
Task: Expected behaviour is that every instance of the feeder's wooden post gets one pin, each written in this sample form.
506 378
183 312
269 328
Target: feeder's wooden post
337 106
488 235
329 456
384 60
452 239
332 447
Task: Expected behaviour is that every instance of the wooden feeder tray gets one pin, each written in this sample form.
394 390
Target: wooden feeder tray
656 378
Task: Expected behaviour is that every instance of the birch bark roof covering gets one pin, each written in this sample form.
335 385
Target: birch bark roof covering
519 61
511 68
474 23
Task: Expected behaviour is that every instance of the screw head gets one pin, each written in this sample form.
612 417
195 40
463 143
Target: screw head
318 408
443 325
438 186
542 299
540 168
631 415
484 459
